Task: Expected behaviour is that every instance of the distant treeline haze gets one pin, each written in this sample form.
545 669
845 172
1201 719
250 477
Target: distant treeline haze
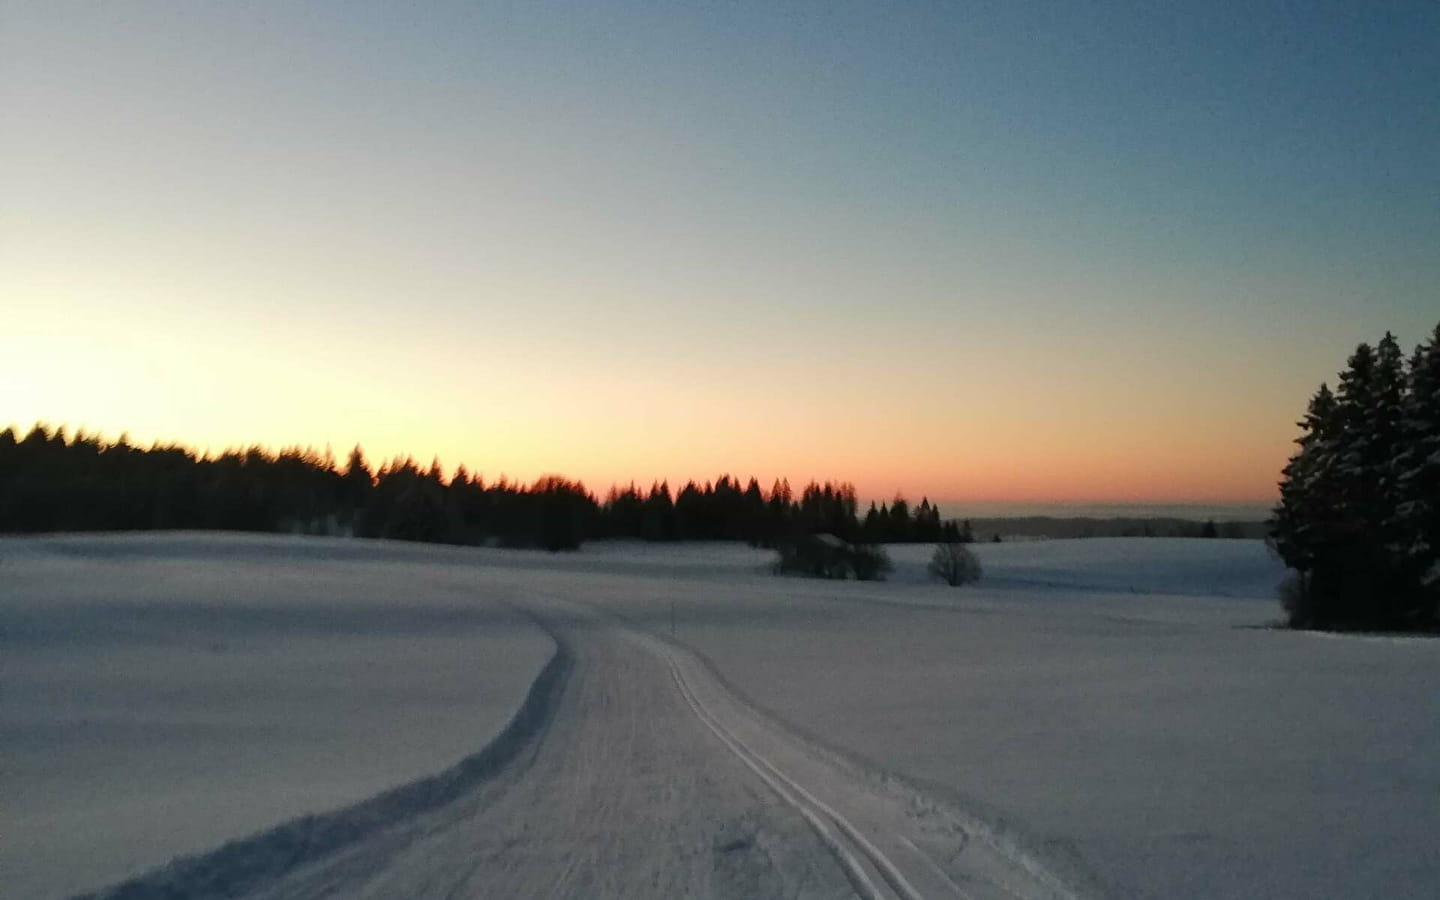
53 481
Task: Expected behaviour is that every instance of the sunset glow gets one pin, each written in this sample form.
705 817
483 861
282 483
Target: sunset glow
1003 257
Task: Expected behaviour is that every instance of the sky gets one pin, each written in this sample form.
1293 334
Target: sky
981 252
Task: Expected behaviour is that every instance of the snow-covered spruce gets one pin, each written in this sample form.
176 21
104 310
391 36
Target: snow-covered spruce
1358 518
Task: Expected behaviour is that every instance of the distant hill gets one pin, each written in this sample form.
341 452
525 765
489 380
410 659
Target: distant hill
1008 527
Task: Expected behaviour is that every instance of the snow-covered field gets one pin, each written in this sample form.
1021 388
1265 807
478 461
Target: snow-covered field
1095 718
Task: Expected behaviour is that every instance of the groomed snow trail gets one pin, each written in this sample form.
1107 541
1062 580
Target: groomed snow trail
632 772
891 840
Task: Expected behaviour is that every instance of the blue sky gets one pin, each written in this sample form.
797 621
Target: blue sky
1036 241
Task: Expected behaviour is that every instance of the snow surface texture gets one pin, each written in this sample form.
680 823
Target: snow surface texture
1095 718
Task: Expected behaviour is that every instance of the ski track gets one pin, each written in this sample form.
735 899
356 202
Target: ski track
630 771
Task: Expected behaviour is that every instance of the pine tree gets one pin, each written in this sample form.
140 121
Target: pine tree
872 529
1365 569
1417 477
752 520
658 521
356 481
1305 484
899 520
927 522
1384 442
1304 523
1356 518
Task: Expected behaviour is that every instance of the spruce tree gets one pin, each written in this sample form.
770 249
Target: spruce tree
356 481
1304 523
1417 478
899 520
1357 515
871 528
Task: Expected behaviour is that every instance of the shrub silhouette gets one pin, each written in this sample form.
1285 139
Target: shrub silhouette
954 564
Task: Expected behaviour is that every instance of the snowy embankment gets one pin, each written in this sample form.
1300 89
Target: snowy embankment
166 693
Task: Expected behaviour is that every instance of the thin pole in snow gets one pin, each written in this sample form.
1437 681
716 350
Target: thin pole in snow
672 618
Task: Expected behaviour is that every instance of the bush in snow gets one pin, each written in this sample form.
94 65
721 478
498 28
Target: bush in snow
954 564
869 562
1359 513
827 556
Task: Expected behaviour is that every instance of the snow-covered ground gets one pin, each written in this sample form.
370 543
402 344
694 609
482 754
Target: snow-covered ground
1109 713
164 694
1162 739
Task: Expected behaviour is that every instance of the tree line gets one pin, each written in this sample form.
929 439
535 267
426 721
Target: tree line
53 480
1359 513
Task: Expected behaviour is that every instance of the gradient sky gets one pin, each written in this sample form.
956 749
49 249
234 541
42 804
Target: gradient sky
976 251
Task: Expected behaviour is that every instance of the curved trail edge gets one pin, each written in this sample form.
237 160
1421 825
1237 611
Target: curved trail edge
241 865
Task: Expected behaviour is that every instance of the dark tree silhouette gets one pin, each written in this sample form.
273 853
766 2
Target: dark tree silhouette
50 480
1355 519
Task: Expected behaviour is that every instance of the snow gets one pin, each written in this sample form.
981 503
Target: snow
1115 707
1185 566
164 694
1165 742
